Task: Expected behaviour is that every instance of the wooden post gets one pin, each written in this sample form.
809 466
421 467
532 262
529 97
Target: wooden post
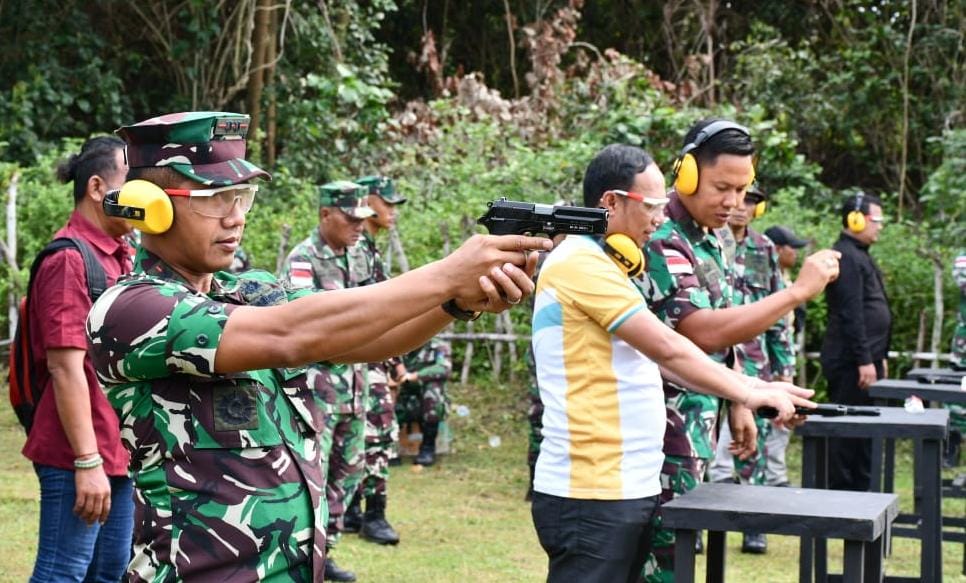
396 247
496 356
511 346
920 337
467 356
938 307
282 247
11 251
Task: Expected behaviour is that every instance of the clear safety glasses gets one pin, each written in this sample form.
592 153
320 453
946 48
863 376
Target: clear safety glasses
218 203
653 205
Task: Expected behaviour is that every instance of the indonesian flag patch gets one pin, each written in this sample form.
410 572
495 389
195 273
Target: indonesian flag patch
300 274
677 263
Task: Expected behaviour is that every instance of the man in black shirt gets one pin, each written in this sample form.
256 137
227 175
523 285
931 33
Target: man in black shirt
857 337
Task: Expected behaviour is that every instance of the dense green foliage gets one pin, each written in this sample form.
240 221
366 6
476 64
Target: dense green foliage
840 94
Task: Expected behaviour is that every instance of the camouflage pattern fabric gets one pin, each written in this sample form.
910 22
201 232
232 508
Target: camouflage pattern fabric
687 271
382 430
313 265
679 475
205 146
240 263
433 363
757 276
227 468
957 413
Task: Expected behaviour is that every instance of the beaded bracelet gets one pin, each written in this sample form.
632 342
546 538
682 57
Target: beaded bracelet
89 464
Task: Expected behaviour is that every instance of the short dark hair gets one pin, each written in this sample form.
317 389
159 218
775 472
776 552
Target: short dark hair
729 141
614 167
862 200
96 157
162 176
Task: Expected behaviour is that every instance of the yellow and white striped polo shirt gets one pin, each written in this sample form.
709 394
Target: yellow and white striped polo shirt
604 417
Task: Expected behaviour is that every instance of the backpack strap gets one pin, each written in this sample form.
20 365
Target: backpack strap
96 278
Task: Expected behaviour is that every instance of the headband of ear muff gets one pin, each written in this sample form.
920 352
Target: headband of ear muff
686 166
143 204
625 253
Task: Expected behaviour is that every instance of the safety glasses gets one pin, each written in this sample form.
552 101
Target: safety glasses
217 203
653 205
876 220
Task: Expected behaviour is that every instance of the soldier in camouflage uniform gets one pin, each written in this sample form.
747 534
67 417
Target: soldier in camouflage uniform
222 432
381 429
957 413
422 397
768 356
330 259
690 285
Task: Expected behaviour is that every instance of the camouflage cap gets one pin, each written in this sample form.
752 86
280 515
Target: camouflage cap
383 187
754 194
348 197
205 146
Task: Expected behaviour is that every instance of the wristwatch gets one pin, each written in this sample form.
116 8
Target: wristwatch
452 309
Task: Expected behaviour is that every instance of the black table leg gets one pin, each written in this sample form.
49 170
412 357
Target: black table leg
854 561
928 479
875 472
821 481
873 561
684 556
806 543
716 556
890 466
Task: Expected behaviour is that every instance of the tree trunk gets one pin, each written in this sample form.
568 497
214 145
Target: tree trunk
467 356
282 247
920 337
11 251
396 247
256 77
271 55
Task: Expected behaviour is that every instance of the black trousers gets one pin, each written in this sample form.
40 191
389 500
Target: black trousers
590 541
849 459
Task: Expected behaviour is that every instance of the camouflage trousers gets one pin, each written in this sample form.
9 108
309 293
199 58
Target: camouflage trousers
751 471
679 475
345 466
422 403
382 438
957 417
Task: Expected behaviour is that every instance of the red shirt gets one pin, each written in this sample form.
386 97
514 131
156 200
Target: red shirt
58 312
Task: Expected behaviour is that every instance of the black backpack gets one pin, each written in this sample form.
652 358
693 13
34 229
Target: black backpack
25 389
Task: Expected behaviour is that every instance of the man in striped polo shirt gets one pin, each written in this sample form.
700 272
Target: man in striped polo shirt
600 355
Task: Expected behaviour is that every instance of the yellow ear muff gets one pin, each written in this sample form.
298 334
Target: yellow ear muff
856 218
760 208
625 253
143 204
686 175
856 221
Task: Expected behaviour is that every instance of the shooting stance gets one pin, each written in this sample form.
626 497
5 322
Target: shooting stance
600 357
205 369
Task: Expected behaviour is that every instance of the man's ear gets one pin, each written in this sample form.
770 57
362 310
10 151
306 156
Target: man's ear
609 201
96 188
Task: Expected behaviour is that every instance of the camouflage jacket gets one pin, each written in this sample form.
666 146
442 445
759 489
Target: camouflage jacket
432 362
226 466
313 265
757 276
959 336
378 371
687 271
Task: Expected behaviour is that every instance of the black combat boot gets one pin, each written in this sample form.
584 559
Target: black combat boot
427 449
951 455
334 573
375 527
352 519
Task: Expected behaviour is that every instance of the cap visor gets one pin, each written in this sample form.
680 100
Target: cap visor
358 212
234 171
394 199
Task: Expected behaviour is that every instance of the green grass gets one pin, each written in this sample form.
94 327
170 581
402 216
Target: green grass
464 519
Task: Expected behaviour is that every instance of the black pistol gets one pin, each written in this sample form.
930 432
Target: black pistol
509 217
824 410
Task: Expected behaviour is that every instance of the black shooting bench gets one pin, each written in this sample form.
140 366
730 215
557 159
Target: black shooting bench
931 385
928 430
860 518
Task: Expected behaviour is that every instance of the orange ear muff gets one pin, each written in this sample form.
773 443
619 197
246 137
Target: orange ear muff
625 253
686 175
143 204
